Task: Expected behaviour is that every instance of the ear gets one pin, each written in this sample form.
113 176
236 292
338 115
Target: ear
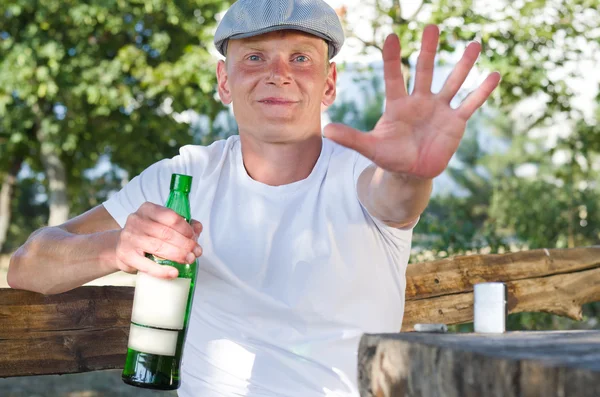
330 86
223 83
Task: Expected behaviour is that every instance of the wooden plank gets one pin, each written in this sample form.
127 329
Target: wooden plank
85 329
459 274
64 352
81 308
50 334
561 294
519 364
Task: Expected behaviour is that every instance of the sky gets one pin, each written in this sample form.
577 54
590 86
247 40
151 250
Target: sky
360 13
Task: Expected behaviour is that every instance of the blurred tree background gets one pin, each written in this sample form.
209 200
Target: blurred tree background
89 83
93 92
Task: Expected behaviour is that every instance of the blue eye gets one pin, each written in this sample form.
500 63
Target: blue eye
254 58
302 58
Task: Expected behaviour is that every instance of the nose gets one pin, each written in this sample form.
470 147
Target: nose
279 72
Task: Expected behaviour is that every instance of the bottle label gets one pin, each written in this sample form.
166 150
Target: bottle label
160 302
153 341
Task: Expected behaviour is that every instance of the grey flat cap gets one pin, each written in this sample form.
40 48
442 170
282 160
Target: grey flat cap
247 18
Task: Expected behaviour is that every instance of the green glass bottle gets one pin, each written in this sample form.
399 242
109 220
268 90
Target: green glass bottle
161 310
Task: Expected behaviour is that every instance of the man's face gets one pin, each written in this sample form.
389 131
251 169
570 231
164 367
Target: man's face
277 83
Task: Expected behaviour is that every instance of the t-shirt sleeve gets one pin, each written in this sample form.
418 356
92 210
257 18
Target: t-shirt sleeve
360 164
151 185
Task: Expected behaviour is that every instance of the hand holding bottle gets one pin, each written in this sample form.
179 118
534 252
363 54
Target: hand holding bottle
159 231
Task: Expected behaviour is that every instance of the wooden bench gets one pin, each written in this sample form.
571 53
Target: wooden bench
86 329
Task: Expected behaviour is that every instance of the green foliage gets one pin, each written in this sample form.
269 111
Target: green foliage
102 77
542 214
93 76
526 41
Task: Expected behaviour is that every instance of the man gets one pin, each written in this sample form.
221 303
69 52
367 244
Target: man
302 242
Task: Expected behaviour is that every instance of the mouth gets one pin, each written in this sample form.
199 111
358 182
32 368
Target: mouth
277 101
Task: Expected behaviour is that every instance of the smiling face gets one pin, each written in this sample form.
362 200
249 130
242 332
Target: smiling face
277 83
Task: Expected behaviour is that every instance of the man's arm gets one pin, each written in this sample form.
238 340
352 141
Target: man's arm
417 134
395 199
60 258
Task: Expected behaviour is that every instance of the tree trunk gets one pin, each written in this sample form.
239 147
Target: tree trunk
6 195
57 181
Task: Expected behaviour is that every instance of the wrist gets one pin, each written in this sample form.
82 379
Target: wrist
408 178
106 249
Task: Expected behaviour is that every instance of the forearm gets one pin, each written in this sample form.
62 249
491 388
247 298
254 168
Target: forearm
396 199
54 261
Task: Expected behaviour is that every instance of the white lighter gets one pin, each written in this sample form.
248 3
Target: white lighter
490 308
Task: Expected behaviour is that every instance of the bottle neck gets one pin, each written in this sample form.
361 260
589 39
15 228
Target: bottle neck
179 202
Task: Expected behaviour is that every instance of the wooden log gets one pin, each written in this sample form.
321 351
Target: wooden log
85 329
517 364
459 274
561 294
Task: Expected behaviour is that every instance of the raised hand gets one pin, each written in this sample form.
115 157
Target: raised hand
418 133
160 231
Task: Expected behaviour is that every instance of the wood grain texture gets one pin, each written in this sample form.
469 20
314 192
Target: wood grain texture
459 274
85 329
549 364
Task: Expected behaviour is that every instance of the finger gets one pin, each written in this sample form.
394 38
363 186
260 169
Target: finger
143 264
479 96
460 72
426 60
138 228
392 69
197 227
167 217
168 251
351 138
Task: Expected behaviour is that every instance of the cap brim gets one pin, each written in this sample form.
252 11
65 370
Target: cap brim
332 49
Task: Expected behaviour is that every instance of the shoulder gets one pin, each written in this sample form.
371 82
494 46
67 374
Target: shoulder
339 153
153 183
198 158
346 159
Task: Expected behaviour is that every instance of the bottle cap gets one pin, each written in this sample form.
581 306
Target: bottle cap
181 183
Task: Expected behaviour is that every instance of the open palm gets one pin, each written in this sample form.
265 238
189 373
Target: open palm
419 133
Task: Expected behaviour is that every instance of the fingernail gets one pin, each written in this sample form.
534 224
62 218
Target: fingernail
173 273
190 258
197 250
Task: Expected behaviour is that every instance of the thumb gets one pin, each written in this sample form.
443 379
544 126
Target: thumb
351 138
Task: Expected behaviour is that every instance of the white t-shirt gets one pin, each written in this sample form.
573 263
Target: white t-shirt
290 278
